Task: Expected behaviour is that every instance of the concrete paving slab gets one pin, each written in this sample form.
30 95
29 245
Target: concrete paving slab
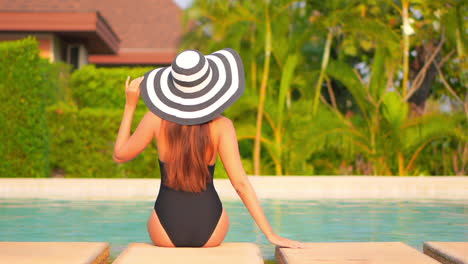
353 253
226 253
447 252
54 252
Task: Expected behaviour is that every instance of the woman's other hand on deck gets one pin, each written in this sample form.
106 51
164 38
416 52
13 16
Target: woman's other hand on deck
285 242
132 90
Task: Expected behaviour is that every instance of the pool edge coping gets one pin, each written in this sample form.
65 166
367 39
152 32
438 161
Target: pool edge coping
266 187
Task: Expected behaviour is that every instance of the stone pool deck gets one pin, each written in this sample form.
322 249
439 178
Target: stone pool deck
266 187
353 252
54 252
447 252
234 253
226 253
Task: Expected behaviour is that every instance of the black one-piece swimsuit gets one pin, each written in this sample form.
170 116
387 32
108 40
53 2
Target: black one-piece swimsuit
188 218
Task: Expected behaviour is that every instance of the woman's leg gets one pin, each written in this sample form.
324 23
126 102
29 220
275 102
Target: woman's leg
220 231
157 233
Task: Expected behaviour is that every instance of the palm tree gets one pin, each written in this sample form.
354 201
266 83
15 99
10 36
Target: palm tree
290 46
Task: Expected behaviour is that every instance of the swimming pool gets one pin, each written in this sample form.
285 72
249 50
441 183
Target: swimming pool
325 220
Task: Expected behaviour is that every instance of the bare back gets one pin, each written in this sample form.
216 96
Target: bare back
214 135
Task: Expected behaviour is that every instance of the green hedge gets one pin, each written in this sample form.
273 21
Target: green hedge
103 87
83 144
56 77
24 150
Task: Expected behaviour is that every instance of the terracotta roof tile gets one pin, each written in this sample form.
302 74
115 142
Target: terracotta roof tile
140 24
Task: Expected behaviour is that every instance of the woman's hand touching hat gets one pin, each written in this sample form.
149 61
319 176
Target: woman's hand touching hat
132 91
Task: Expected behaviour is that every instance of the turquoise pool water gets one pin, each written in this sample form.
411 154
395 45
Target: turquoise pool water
123 222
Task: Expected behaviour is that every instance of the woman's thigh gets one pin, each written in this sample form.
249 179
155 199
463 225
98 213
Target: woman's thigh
160 238
220 231
157 233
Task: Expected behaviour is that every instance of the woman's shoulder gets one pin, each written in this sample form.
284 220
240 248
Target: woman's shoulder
222 122
219 126
152 117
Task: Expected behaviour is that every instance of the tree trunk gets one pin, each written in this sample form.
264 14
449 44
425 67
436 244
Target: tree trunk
419 98
261 103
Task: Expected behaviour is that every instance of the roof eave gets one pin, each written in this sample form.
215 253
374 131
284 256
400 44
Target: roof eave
90 27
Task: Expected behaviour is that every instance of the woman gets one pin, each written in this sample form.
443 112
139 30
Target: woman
185 101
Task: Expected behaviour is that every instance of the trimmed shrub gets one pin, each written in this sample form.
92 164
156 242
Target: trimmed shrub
83 143
103 87
57 78
24 150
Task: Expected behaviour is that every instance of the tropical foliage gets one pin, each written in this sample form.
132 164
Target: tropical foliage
333 88
344 87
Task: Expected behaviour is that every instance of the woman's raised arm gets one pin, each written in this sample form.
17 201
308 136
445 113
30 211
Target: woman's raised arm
230 156
127 146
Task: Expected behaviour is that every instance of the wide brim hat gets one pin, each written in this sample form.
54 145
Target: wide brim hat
195 88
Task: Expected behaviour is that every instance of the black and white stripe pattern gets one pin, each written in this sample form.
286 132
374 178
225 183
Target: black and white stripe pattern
195 88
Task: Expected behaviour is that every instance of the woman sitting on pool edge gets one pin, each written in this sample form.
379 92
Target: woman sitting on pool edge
185 102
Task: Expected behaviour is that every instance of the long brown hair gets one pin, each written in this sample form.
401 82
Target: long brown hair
186 165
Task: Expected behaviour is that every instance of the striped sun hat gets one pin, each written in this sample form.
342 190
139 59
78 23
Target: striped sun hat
195 88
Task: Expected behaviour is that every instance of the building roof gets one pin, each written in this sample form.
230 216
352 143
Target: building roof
146 28
89 27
